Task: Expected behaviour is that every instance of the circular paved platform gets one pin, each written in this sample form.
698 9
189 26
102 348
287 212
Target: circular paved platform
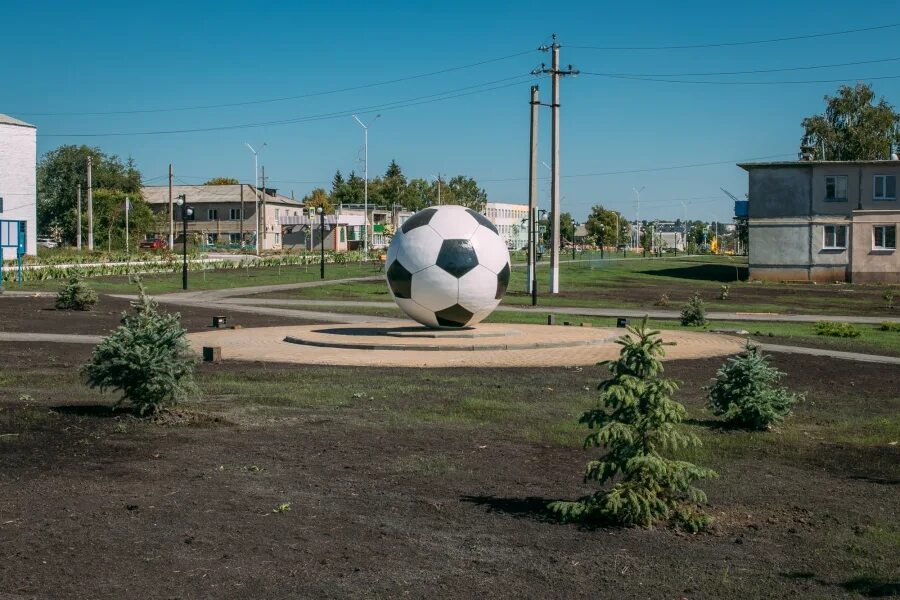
484 338
368 344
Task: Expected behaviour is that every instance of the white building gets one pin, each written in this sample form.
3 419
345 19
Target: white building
18 178
507 218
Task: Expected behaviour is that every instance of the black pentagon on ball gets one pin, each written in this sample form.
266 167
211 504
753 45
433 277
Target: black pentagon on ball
502 281
399 280
482 220
455 316
457 257
418 220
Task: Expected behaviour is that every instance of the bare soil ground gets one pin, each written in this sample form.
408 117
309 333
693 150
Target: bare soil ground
37 314
425 483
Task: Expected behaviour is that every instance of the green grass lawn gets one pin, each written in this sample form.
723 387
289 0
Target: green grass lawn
211 280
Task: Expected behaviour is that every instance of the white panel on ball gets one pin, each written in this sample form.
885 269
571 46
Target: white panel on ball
419 249
477 290
491 249
417 312
453 223
435 288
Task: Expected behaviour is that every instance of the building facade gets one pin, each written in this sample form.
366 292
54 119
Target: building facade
824 221
227 214
508 219
18 179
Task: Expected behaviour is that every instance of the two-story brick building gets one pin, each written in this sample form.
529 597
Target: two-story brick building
824 220
227 214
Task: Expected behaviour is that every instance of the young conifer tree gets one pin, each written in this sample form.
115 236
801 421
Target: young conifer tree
147 358
746 392
636 423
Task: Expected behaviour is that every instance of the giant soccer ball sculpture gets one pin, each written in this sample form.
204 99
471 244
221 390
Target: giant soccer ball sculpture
447 267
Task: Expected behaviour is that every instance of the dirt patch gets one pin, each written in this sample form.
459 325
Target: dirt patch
38 315
348 499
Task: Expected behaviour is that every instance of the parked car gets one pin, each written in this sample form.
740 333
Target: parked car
47 242
155 244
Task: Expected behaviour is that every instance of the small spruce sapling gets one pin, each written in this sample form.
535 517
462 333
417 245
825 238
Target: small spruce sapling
147 359
693 314
76 295
746 392
637 424
889 298
724 291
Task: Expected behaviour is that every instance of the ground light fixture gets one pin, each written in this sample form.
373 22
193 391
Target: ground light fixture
187 214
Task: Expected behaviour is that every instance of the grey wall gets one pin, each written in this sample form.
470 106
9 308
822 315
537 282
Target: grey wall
780 192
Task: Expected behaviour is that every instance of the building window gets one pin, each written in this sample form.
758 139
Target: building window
835 237
884 237
885 187
234 214
234 238
212 214
836 187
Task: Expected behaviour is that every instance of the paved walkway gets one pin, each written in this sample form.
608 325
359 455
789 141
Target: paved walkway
591 312
873 358
58 338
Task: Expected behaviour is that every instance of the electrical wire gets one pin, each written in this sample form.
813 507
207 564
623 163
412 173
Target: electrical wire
710 82
753 71
427 99
744 43
281 99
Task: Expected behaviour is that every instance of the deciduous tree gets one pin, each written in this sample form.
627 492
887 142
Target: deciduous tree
853 126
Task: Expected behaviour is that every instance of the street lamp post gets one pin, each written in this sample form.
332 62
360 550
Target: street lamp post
256 187
187 213
321 214
602 240
575 225
365 186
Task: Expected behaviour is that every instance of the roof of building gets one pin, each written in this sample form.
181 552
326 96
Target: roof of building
813 163
7 120
199 194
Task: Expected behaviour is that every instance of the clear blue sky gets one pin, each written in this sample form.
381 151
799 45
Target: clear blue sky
64 57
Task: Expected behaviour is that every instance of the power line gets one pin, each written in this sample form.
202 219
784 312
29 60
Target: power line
753 71
650 169
744 43
427 99
281 99
709 82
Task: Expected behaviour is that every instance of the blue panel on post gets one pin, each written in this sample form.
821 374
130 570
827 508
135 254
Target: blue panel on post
741 208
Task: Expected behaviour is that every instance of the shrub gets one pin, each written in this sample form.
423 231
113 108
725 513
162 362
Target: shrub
746 393
835 329
636 423
694 313
890 326
889 298
147 358
76 295
723 292
663 300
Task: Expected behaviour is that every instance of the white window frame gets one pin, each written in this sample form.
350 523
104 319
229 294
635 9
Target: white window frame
234 214
212 214
836 198
885 227
883 190
835 245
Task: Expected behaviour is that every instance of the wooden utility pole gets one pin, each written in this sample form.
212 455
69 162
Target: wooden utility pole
90 204
171 210
555 72
531 284
78 221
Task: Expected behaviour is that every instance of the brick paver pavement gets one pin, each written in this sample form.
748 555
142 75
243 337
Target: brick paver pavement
267 344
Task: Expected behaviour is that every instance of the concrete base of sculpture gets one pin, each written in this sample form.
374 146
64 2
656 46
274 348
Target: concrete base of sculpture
491 345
